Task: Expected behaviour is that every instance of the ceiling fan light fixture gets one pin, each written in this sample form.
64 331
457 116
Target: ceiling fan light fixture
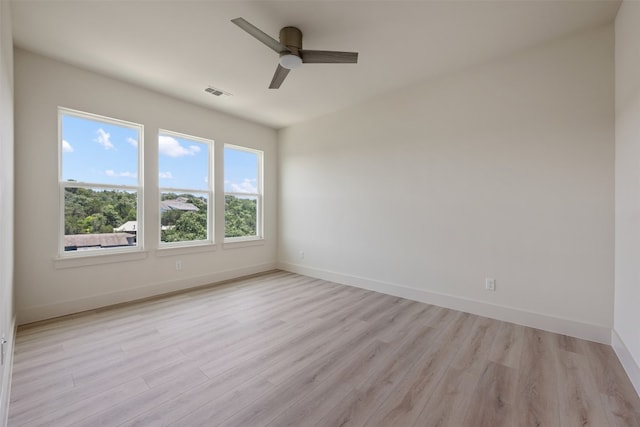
290 61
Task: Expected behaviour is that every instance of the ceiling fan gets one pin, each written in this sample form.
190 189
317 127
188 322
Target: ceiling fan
292 55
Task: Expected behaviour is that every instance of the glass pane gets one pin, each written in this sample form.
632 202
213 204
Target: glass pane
183 217
99 219
183 162
240 216
98 152
240 171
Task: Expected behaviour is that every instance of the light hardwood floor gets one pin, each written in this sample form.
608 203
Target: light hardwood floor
282 349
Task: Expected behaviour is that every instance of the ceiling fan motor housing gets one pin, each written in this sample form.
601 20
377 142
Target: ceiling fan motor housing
291 37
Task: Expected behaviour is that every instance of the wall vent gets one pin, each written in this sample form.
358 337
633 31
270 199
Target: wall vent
216 92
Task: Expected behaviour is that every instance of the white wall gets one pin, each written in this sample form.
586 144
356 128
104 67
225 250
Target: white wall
505 171
43 289
626 336
6 201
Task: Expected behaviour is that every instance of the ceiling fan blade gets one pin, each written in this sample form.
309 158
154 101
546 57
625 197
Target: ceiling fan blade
278 77
260 35
328 57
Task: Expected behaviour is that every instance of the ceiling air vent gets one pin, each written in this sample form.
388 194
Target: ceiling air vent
217 92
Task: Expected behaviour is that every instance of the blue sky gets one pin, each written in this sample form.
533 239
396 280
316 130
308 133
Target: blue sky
98 152
183 163
240 172
105 153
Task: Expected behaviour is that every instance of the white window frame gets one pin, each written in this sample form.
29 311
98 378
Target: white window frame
63 185
209 191
259 197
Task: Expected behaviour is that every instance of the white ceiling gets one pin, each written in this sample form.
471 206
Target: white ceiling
181 47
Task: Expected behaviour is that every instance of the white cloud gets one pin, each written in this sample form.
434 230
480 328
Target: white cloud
206 179
166 175
133 142
66 147
104 139
170 146
246 186
111 172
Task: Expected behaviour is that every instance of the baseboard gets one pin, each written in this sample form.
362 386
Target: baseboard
629 364
49 311
6 376
559 325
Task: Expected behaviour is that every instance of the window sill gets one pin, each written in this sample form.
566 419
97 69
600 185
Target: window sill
186 249
95 259
243 242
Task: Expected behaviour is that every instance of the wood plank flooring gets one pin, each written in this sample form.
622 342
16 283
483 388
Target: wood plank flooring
282 349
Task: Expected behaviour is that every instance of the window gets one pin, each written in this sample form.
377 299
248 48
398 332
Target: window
185 176
99 182
242 193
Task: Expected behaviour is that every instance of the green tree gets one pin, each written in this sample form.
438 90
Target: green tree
178 225
240 217
192 225
91 211
112 218
170 217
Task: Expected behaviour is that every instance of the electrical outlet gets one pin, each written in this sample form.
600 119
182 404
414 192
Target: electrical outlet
301 254
490 284
178 265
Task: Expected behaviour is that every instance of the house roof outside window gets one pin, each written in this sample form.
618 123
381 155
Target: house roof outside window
179 204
